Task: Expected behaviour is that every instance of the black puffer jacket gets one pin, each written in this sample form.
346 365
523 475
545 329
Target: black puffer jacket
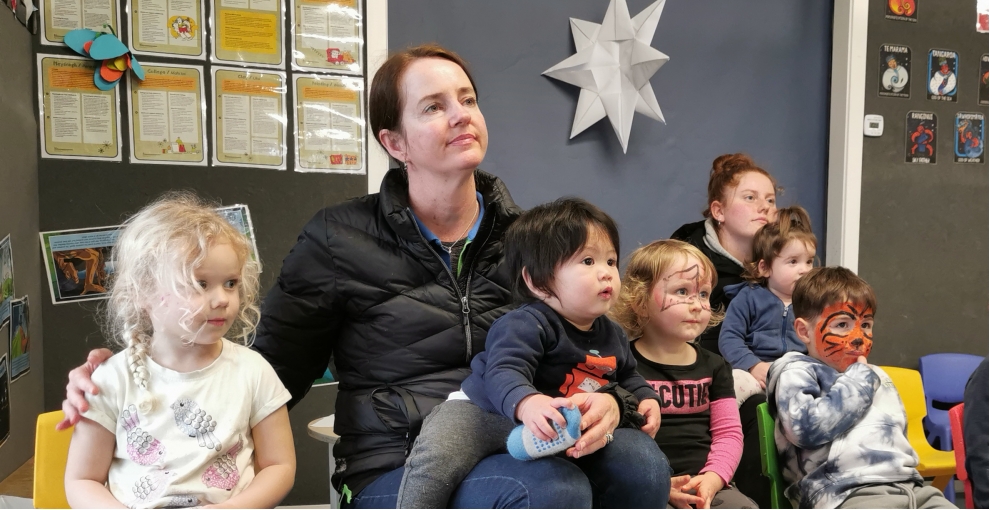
363 285
729 273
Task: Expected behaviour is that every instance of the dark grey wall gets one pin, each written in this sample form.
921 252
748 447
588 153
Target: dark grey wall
76 194
742 76
19 218
923 229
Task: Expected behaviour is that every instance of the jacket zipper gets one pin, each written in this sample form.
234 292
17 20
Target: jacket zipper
783 333
463 298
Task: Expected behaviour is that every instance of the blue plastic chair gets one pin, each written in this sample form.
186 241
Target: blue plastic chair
944 376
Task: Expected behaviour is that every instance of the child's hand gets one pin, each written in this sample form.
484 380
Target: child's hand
759 372
650 410
862 359
704 486
534 411
680 499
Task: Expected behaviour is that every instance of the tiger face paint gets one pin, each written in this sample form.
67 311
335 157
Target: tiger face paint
843 333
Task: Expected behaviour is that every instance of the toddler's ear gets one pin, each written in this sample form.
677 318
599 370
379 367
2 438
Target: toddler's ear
763 269
803 329
542 296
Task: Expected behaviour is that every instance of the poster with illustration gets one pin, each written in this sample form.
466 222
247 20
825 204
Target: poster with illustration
329 123
4 397
60 17
247 32
168 28
942 69
970 137
984 77
901 10
168 116
6 278
249 118
895 71
327 35
78 262
922 132
75 118
20 344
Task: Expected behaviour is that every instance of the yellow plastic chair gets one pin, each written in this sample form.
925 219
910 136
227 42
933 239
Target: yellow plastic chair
931 462
51 451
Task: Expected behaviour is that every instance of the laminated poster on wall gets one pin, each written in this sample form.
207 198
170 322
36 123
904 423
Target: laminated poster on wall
327 35
921 144
20 342
77 262
901 10
168 115
970 137
6 278
329 124
983 16
247 32
59 17
895 71
78 120
942 69
249 118
239 216
4 395
984 77
169 28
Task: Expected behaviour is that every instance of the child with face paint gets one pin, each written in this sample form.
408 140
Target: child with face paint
758 327
665 305
840 424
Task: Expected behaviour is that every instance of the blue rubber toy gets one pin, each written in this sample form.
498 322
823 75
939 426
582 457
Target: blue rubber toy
523 445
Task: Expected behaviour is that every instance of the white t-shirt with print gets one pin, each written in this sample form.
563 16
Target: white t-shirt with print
195 447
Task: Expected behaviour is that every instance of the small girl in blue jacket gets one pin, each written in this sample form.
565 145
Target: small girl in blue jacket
759 323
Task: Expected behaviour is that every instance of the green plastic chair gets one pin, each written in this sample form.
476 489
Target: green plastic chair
768 458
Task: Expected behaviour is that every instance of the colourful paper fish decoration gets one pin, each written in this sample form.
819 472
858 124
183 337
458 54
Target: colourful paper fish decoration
105 47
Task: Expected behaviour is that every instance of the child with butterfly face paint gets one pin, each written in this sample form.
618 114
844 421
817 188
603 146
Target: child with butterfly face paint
840 424
665 305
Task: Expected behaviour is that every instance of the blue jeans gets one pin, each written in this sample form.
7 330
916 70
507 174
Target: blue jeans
631 472
498 481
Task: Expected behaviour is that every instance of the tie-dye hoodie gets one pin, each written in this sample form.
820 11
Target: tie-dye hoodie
836 431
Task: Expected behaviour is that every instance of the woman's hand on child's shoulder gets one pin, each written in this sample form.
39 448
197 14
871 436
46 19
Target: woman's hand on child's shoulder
81 384
650 409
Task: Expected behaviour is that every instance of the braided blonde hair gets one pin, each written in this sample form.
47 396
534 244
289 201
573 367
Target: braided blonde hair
158 251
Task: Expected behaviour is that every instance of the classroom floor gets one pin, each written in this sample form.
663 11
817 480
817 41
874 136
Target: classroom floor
20 483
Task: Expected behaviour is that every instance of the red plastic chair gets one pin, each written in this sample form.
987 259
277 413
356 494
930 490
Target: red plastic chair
959 447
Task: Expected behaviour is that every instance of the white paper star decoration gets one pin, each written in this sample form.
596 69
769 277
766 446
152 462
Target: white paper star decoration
613 66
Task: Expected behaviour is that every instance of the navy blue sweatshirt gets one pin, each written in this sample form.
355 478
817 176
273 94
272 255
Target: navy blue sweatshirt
757 327
534 350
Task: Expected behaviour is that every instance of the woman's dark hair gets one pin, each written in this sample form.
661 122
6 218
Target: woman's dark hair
547 235
385 98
